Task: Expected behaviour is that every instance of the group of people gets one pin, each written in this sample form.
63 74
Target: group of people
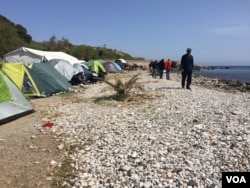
157 68
187 63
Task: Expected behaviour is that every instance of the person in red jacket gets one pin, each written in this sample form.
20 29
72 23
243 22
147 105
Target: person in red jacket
167 67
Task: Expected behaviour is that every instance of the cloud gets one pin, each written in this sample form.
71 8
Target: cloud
233 31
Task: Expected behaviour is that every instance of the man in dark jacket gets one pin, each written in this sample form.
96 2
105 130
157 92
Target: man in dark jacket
161 67
154 69
187 63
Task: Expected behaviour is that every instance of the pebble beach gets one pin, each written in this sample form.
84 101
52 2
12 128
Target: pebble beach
172 138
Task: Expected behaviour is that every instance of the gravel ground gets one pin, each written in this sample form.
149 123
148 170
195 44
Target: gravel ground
168 137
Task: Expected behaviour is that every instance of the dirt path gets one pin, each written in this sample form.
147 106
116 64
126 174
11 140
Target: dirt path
26 152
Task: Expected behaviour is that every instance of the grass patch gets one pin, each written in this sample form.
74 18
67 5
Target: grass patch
132 99
115 97
62 174
71 96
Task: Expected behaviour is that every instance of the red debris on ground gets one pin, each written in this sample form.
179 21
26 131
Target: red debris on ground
48 124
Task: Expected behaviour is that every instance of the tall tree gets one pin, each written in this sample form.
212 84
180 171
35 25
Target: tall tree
12 36
9 39
22 32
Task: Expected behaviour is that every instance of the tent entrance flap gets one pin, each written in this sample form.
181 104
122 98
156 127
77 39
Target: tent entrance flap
27 86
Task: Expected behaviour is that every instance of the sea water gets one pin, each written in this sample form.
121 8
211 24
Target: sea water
240 73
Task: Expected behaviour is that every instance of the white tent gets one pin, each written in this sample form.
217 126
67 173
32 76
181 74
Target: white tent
120 61
65 68
28 56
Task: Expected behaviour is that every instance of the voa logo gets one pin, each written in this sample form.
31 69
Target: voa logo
236 179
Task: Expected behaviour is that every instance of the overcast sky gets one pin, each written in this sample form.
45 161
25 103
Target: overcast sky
218 31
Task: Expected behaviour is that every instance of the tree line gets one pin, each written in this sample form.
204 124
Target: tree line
13 36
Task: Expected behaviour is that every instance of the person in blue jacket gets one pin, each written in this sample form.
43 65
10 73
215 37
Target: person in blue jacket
187 63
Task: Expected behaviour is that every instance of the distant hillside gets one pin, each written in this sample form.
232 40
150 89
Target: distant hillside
84 52
13 36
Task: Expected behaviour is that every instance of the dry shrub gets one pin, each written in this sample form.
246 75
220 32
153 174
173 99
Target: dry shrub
123 88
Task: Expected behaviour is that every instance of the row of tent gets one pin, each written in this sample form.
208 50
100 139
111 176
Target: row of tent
35 80
45 79
40 74
29 56
18 82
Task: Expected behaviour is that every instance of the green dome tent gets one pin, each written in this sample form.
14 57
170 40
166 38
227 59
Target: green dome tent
97 66
13 104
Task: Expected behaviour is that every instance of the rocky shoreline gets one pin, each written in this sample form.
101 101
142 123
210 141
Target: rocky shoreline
221 84
171 138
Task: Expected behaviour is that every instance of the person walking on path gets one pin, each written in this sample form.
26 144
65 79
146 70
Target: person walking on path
187 63
154 69
150 67
161 68
167 67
